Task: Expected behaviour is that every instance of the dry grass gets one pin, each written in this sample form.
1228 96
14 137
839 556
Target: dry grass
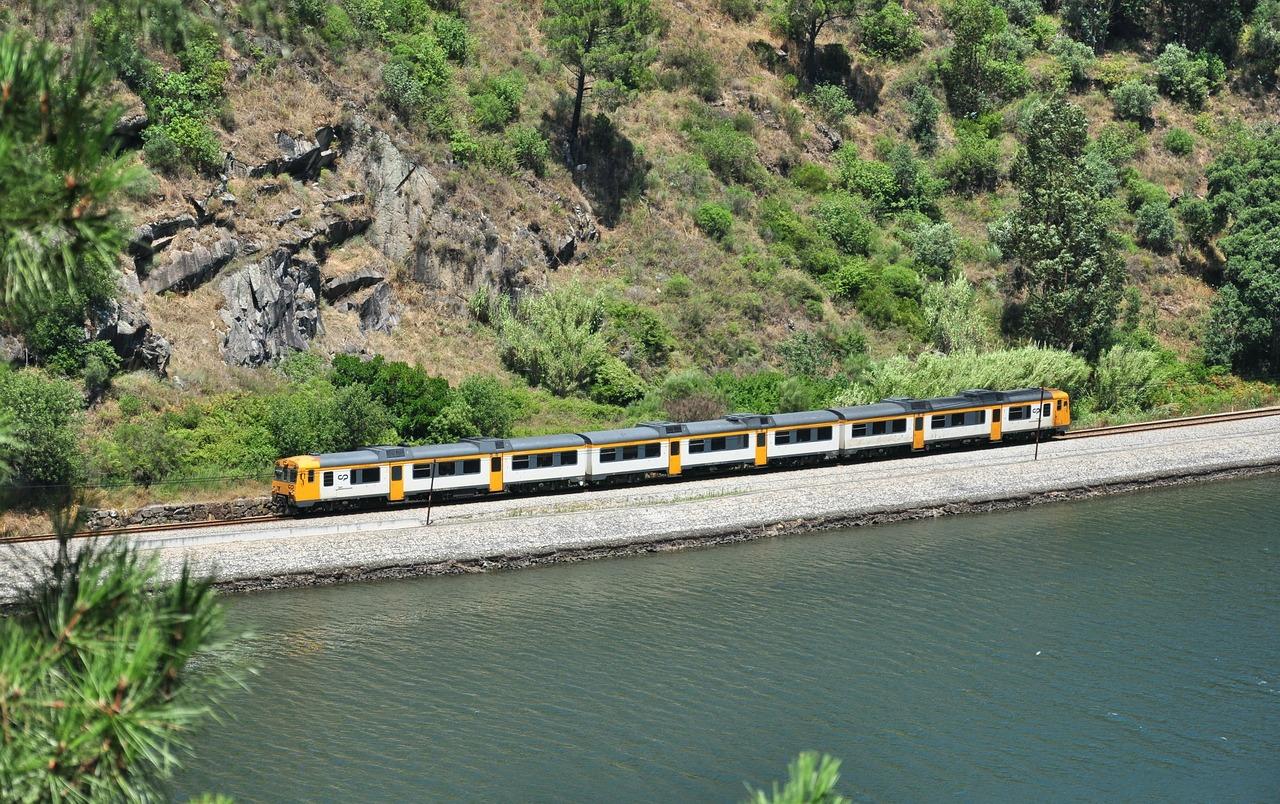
286 100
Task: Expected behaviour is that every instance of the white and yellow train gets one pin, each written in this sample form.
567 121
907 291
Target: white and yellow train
478 466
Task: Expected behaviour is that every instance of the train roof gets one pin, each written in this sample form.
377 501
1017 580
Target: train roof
875 410
347 458
713 426
545 442
803 417
442 451
640 433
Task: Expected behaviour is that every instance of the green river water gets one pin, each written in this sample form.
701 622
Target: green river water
1126 648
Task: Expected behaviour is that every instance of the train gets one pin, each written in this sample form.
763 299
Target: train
662 450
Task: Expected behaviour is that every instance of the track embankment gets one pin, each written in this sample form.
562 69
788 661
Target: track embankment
529 531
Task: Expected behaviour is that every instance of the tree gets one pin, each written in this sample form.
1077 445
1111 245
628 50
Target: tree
803 21
973 76
1066 271
609 41
1244 191
60 173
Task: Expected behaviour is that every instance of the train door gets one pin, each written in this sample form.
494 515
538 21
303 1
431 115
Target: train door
495 473
673 458
397 484
762 451
995 424
917 437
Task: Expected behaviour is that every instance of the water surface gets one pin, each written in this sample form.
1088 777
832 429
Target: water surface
1124 648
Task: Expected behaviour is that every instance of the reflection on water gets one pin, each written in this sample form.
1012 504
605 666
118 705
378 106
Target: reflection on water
1120 648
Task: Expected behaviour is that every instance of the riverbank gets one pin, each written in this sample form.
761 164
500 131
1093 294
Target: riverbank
522 532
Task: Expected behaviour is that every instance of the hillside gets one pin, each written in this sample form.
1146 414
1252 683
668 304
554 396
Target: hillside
930 197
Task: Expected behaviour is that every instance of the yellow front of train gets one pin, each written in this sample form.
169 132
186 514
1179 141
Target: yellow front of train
1061 410
296 483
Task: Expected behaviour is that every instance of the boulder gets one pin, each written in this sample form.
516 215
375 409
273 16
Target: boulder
378 312
124 323
152 237
13 350
343 285
271 309
187 270
300 158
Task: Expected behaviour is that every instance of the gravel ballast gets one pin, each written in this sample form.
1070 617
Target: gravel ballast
526 531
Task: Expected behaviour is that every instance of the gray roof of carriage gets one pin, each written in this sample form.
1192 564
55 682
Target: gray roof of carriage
641 433
1028 395
348 458
875 410
545 442
441 451
803 417
712 426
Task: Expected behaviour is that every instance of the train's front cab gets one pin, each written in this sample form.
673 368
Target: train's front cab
296 483
1061 411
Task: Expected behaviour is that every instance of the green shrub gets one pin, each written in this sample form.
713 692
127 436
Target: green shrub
1126 379
851 279
688 396
1186 78
491 407
822 354
934 245
843 218
972 166
614 383
714 220
693 66
922 111
1075 60
496 153
638 332
891 31
757 392
900 183
739 10
1178 141
1087 20
42 412
731 154
934 374
464 147
1043 30
339 31
417 75
452 35
1133 100
1155 226
530 148
554 340
902 281
1198 220
413 398
1118 143
495 100
831 102
953 318
811 177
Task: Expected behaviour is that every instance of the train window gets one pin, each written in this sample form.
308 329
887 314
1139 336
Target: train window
783 437
899 425
371 474
919 423
520 461
546 460
608 455
446 469
1048 410
697 445
495 465
824 433
939 422
569 458
857 430
995 415
760 439
879 428
957 419
328 478
630 453
471 467
652 450
421 471
397 473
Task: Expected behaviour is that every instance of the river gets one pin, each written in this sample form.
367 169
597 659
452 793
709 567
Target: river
1119 648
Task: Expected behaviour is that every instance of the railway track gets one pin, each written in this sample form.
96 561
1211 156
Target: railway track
130 531
1167 424
1092 432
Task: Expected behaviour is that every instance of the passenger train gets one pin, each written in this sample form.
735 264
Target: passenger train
486 466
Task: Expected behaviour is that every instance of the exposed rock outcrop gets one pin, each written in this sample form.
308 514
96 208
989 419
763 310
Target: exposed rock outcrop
13 350
123 323
343 285
187 270
271 309
378 312
300 158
